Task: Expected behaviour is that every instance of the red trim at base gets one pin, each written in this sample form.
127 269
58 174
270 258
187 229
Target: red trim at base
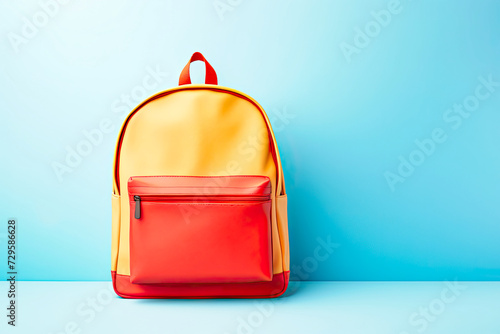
274 288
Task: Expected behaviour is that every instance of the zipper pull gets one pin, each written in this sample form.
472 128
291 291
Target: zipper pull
137 200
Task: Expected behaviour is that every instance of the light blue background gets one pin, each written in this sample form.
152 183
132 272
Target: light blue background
349 123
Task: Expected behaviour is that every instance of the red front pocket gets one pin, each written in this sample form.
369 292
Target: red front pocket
187 229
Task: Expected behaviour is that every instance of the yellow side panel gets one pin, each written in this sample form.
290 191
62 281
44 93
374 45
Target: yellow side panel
196 132
281 205
115 229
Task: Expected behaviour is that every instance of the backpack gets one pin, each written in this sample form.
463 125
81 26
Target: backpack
199 208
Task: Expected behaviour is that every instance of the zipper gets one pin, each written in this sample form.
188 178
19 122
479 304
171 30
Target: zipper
137 200
210 198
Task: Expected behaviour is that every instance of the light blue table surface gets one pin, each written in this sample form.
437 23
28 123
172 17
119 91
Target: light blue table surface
308 307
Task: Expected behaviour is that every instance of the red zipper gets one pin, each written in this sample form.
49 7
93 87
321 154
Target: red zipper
195 198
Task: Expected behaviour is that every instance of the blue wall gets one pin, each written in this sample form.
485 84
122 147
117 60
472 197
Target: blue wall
388 179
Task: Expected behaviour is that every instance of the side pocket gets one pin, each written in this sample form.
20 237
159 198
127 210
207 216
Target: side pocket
115 229
281 210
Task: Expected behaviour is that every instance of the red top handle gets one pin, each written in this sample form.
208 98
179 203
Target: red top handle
210 75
